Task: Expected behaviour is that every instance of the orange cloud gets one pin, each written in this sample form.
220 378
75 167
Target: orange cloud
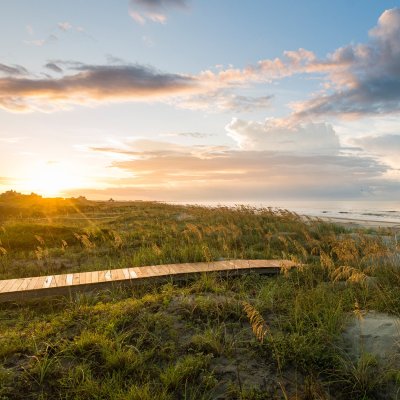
160 170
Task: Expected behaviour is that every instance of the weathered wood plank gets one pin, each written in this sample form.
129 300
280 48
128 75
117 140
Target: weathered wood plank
186 267
16 289
47 281
16 285
155 270
108 275
202 267
69 279
88 277
125 271
3 283
164 270
76 279
40 282
94 276
132 273
102 276
118 275
141 272
60 280
25 283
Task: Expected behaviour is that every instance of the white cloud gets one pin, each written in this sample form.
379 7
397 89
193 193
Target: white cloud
64 26
41 42
283 136
384 147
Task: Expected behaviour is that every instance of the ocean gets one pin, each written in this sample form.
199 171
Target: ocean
374 211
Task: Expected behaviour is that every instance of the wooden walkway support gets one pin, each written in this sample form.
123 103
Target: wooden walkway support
55 285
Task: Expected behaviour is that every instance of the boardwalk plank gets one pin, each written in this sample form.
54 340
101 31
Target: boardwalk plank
25 283
88 277
259 264
155 270
15 286
174 269
202 267
69 279
32 283
54 282
47 281
164 270
3 284
102 276
76 280
94 276
108 275
118 275
8 285
186 267
40 282
82 278
57 284
132 273
60 280
140 272
227 265
125 271
243 264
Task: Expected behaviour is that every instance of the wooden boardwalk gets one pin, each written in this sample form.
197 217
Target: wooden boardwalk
55 285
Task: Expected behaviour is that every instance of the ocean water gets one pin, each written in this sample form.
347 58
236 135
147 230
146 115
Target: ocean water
382 211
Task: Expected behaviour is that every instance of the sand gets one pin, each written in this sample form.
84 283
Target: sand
362 223
377 334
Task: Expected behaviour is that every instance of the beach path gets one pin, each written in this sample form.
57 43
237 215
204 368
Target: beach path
66 284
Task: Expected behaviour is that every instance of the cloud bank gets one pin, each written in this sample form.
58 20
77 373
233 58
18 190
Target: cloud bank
274 162
277 135
93 83
357 80
385 147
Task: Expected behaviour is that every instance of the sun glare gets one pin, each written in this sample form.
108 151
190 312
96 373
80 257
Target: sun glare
53 179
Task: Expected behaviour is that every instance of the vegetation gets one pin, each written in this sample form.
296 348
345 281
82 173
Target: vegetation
249 337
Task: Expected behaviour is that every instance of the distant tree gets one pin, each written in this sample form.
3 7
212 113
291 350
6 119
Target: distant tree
12 195
9 195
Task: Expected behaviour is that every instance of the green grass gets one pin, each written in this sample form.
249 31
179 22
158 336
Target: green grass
194 339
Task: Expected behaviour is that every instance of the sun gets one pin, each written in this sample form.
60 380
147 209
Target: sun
51 179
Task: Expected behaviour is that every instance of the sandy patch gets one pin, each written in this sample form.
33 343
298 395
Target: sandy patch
377 334
361 223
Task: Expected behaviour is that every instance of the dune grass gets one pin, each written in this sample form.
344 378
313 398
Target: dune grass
249 337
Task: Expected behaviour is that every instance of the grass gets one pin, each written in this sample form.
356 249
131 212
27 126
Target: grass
248 337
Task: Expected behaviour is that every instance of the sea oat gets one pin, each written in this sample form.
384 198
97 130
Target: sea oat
257 322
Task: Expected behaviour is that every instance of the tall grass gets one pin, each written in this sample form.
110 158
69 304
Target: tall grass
247 337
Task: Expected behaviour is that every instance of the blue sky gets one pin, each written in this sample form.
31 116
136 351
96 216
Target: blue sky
201 100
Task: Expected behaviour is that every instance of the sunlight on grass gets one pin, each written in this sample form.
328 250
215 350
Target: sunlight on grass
248 337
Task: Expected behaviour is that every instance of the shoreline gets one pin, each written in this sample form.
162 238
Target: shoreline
361 223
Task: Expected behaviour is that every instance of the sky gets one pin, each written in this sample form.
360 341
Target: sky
201 100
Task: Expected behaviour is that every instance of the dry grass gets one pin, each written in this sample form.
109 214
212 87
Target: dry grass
246 338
